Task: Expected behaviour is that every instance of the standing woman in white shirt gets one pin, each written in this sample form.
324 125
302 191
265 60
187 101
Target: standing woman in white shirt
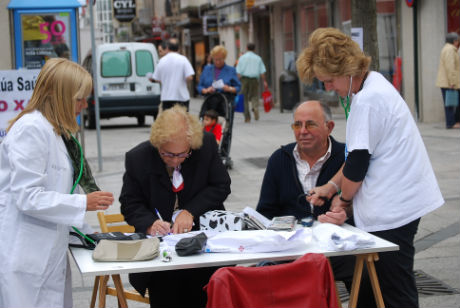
387 174
36 180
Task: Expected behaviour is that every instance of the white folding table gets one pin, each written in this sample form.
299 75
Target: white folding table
88 267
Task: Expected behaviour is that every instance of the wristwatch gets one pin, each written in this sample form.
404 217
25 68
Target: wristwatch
345 200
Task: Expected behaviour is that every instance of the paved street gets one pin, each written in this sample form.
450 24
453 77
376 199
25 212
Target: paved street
438 239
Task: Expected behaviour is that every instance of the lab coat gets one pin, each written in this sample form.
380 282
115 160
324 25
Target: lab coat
36 211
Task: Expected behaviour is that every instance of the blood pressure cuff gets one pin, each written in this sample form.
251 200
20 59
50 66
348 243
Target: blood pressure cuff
356 165
191 245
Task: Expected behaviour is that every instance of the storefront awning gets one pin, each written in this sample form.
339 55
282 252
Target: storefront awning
49 4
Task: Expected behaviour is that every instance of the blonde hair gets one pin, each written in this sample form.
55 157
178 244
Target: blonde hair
176 123
331 52
59 84
219 50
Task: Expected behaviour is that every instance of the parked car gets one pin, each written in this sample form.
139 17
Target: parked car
123 86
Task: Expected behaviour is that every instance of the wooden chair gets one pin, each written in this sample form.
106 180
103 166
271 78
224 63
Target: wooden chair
114 223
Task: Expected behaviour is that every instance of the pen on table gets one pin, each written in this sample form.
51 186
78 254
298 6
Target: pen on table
84 235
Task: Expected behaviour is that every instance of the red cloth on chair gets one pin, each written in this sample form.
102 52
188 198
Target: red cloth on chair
307 282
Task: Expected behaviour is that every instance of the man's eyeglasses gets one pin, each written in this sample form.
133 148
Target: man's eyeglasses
309 125
178 155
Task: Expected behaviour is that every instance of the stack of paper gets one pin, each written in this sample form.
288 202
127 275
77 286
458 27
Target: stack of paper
255 220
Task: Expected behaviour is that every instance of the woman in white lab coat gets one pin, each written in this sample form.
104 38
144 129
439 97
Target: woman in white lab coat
36 177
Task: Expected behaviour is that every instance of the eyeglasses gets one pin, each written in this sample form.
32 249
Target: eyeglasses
178 155
309 125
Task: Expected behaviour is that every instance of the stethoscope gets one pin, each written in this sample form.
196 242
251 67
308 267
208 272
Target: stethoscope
81 165
346 107
75 185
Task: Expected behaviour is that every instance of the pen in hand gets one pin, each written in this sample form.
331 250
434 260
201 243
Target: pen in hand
158 214
161 218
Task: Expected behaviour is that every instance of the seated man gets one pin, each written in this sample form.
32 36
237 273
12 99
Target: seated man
294 169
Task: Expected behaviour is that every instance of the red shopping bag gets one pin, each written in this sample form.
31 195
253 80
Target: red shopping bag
268 100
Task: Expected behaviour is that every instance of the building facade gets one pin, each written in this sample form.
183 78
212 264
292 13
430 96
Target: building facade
410 37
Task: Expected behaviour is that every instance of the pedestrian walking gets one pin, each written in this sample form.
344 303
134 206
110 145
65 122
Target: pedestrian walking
449 77
250 68
173 72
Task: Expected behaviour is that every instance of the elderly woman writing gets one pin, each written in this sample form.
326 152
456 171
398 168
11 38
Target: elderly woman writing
178 173
219 76
387 174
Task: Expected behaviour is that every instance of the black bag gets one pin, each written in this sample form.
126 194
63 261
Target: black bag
96 237
117 236
84 243
191 245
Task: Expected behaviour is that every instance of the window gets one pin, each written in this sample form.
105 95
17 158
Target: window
308 24
116 64
288 30
144 62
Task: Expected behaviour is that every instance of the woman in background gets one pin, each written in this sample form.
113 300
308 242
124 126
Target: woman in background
219 76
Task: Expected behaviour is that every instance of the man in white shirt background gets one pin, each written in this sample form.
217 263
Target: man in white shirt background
173 72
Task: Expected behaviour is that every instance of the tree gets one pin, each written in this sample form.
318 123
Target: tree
364 15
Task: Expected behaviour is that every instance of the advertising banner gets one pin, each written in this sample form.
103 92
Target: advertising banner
16 87
45 36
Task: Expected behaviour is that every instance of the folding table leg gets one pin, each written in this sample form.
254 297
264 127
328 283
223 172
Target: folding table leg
369 259
103 290
95 288
374 279
120 292
356 281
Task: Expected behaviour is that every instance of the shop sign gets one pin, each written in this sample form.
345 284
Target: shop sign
210 25
45 36
124 10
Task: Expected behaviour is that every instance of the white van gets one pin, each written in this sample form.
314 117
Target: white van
123 88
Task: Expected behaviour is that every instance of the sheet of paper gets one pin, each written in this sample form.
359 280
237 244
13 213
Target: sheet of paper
218 84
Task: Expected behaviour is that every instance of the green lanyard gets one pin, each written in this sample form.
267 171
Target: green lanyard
347 111
347 107
81 165
75 185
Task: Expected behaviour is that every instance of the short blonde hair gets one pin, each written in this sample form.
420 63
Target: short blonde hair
331 52
59 84
219 50
176 123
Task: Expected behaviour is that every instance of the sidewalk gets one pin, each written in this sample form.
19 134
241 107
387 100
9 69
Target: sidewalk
437 241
